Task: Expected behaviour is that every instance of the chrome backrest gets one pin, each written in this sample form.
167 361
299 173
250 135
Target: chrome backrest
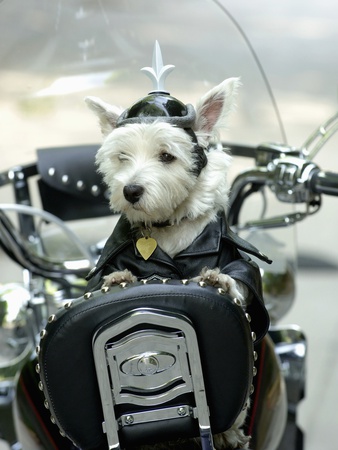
149 368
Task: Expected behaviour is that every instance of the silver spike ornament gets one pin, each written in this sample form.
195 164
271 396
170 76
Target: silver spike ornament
158 72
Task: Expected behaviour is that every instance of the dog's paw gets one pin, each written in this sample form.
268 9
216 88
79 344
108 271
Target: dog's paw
213 277
124 276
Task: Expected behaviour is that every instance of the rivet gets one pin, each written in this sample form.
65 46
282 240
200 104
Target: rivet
80 185
37 350
40 385
255 355
253 335
248 317
165 280
63 434
51 171
202 283
51 318
254 371
65 179
144 281
87 295
52 419
221 291
43 333
37 368
67 305
237 302
252 389
181 411
104 289
129 419
95 190
185 282
123 285
46 404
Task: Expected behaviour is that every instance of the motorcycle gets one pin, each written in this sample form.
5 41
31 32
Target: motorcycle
44 410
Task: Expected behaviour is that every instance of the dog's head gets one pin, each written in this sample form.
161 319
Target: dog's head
159 169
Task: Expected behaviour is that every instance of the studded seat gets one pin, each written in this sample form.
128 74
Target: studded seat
147 362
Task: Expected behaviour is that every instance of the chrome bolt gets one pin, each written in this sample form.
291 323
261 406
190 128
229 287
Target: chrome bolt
181 411
87 295
129 420
104 289
51 318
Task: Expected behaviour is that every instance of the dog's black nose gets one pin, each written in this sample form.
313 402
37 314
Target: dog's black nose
133 192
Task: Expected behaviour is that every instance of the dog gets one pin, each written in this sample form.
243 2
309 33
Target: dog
167 177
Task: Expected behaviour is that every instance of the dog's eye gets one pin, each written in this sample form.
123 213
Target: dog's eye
122 157
167 157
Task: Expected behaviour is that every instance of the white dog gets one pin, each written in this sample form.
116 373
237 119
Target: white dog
172 189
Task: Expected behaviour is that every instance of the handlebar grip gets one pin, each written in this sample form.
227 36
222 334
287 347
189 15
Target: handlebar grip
324 183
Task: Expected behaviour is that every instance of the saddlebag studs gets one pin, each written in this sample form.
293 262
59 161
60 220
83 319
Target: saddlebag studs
37 350
248 317
237 302
221 291
68 305
254 371
252 389
253 335
105 289
52 419
37 368
46 404
95 190
123 285
80 185
40 386
51 318
63 434
144 281
43 333
87 295
255 355
65 179
202 284
51 171
165 280
185 282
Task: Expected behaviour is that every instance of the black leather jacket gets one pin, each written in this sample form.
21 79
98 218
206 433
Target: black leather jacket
216 246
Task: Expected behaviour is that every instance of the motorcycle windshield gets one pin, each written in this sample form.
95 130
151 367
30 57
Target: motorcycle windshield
53 54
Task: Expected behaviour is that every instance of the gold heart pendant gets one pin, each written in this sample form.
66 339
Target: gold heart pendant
146 246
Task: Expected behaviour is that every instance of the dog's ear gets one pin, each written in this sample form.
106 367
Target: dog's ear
215 106
107 114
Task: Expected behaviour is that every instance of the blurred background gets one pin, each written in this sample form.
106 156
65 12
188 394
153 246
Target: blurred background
53 54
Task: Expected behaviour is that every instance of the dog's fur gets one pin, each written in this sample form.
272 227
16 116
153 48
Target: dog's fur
158 157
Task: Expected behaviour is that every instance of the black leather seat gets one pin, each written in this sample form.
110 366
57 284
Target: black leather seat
71 381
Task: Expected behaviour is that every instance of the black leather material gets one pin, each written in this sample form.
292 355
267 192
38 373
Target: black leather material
216 246
68 175
67 367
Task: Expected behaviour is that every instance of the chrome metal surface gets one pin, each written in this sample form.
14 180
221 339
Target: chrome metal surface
148 368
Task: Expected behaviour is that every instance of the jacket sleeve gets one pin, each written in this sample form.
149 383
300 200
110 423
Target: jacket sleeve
247 271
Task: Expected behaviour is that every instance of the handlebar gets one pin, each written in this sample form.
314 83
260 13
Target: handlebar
324 183
290 175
